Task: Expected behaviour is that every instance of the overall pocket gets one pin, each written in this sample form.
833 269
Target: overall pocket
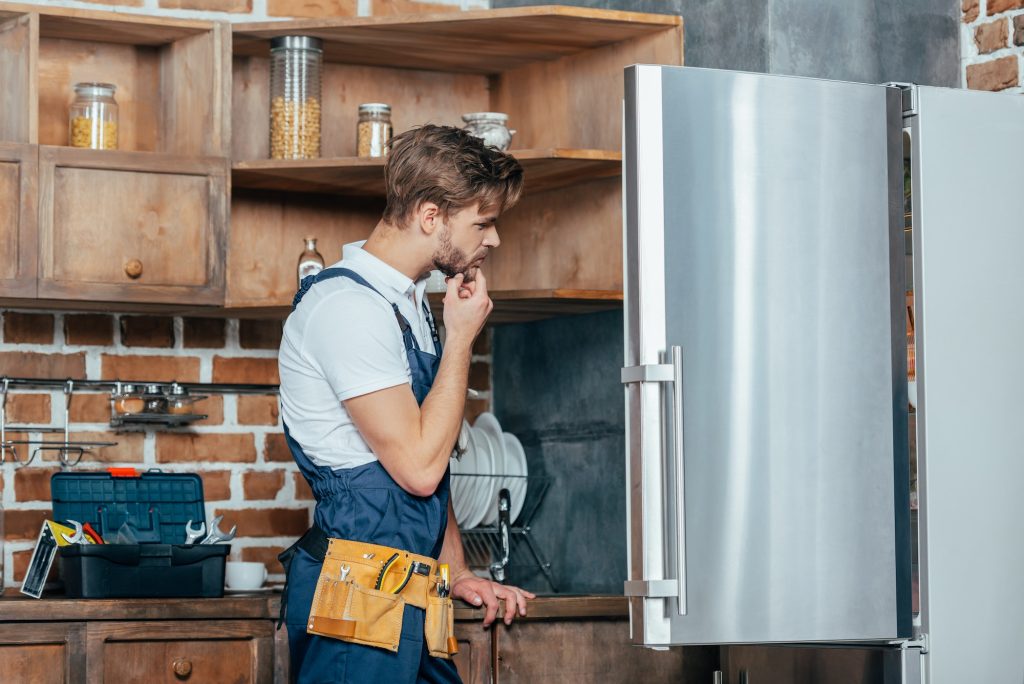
346 611
439 627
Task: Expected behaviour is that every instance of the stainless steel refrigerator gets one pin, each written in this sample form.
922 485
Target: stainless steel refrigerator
773 228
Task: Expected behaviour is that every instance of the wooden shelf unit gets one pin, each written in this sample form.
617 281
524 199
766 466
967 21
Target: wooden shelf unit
557 72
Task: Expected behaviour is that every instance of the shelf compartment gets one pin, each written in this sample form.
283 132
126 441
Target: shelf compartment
545 169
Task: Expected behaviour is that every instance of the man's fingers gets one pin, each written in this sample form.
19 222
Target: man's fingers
454 283
491 601
510 606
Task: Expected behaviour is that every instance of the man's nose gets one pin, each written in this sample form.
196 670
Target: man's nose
491 238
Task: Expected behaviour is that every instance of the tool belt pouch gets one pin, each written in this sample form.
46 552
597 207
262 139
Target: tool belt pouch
347 611
439 627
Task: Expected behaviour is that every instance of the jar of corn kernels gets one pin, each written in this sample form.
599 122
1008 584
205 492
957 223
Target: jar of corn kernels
93 117
295 66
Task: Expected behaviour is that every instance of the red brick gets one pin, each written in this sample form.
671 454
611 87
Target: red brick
382 8
969 9
266 555
127 450
216 484
255 371
21 560
180 447
474 407
257 334
33 484
275 449
302 490
1018 29
998 74
257 409
266 522
90 408
991 36
24 525
213 407
482 343
146 368
262 485
242 6
20 450
91 329
36 365
480 375
147 331
28 328
994 7
28 408
203 333
312 8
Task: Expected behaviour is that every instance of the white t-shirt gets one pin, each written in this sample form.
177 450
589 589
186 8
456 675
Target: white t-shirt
343 341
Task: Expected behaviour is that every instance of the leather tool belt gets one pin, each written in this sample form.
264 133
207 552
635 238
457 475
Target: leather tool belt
362 592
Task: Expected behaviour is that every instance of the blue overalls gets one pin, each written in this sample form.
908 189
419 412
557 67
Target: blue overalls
365 504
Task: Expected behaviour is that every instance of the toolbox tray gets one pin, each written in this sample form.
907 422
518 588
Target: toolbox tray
158 505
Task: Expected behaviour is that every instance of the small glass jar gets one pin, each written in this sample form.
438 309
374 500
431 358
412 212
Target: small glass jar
491 127
310 261
156 400
128 400
373 134
179 401
93 117
296 63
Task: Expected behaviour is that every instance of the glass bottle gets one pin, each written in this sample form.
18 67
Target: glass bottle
92 120
310 261
373 136
295 66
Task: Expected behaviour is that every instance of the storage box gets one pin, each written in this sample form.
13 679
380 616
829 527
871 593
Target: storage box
158 505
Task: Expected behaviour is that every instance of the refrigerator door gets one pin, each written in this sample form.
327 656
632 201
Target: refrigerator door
969 283
767 466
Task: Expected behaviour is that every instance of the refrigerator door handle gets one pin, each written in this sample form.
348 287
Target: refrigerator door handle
669 373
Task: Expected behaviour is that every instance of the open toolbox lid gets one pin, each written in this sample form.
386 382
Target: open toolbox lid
158 504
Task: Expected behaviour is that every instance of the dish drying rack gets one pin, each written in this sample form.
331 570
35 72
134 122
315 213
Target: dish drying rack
502 547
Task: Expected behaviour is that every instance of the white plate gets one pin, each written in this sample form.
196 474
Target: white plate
481 486
456 466
490 427
462 487
515 464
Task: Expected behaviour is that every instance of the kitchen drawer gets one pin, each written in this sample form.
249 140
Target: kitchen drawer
42 653
474 657
222 651
18 185
131 227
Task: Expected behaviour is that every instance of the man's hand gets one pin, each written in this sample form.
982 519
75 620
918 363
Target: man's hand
478 591
466 307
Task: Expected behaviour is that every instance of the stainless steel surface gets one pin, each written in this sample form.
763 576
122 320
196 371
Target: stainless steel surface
643 248
679 465
111 385
651 588
776 264
968 242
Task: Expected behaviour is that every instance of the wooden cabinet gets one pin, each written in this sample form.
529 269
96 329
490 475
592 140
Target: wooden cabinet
45 653
18 197
130 227
476 654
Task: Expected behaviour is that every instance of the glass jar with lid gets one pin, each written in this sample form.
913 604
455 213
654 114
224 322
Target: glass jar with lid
156 400
92 118
179 401
127 400
373 135
295 66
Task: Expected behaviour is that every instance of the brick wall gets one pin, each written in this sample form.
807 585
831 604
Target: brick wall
992 44
239 451
264 10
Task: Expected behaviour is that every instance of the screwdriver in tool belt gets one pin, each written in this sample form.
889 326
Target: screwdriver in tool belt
444 588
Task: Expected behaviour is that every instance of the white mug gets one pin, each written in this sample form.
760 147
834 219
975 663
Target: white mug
244 575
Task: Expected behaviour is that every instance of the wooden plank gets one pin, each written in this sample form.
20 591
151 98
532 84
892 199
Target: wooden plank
482 42
43 653
24 609
558 608
19 178
19 51
543 169
109 27
416 97
195 78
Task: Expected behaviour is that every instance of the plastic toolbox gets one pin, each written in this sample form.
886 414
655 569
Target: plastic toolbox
158 505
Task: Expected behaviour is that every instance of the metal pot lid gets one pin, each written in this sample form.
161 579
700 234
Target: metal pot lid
297 43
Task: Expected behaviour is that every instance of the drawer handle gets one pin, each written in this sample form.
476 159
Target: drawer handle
182 668
133 268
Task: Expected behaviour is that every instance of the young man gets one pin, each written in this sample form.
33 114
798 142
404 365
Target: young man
372 408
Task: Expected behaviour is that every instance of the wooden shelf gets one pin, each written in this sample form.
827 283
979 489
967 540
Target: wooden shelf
544 170
477 42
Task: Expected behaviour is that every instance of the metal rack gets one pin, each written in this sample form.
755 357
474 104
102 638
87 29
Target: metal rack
70 451
502 548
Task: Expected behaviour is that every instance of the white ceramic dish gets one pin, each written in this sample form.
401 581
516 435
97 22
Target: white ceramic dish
481 486
463 487
456 465
491 428
515 464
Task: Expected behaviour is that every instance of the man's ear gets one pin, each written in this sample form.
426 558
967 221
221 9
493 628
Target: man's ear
428 217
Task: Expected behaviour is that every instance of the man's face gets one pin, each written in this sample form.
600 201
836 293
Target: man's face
464 241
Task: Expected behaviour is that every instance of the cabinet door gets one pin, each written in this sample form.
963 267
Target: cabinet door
474 657
18 185
235 651
42 653
131 227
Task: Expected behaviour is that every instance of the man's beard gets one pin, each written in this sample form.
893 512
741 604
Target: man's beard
451 260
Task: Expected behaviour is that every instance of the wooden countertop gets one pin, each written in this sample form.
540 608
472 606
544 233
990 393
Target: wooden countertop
264 606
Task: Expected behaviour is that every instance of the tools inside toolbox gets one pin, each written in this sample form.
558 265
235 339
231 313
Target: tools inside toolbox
129 535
